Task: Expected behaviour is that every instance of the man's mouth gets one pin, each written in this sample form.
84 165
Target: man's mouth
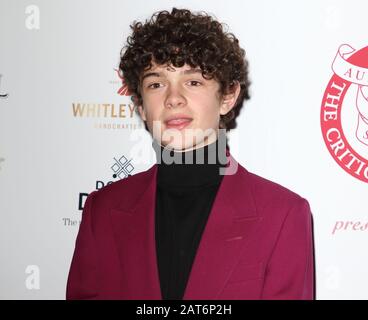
178 123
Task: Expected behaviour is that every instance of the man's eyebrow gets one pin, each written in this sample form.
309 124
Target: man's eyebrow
159 74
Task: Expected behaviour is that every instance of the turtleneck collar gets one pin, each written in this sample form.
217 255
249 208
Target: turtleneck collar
194 168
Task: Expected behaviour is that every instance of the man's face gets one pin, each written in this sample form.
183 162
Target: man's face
182 109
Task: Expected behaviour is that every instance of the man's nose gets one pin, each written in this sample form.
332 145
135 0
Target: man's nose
174 98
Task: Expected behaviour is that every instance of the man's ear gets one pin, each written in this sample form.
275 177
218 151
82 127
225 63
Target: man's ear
138 107
229 100
142 113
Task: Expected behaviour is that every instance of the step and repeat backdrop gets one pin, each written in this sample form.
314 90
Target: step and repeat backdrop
67 125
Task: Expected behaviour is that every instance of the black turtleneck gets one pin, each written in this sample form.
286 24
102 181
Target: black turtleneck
185 195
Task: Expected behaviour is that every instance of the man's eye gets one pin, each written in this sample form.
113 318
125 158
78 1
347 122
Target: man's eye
196 83
153 85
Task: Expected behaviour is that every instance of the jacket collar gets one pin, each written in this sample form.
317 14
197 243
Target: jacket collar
233 218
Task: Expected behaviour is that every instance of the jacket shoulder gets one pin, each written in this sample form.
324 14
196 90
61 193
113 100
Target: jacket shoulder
270 193
129 189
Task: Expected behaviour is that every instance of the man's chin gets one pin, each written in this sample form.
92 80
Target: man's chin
180 146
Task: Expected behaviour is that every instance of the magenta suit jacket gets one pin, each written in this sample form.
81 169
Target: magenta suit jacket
257 243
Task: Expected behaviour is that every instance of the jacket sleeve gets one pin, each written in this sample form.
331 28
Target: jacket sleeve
290 271
82 279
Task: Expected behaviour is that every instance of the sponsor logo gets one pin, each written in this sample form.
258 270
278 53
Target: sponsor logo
344 111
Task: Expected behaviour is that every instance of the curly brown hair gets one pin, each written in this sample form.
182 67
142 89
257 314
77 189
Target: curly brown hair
182 37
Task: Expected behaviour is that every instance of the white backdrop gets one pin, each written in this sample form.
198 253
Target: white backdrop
57 62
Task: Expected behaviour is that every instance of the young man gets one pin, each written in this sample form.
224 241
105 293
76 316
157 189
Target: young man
196 225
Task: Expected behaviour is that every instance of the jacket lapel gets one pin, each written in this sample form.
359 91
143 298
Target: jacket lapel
232 220
135 239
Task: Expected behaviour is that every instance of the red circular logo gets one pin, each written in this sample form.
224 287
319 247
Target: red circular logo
344 111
